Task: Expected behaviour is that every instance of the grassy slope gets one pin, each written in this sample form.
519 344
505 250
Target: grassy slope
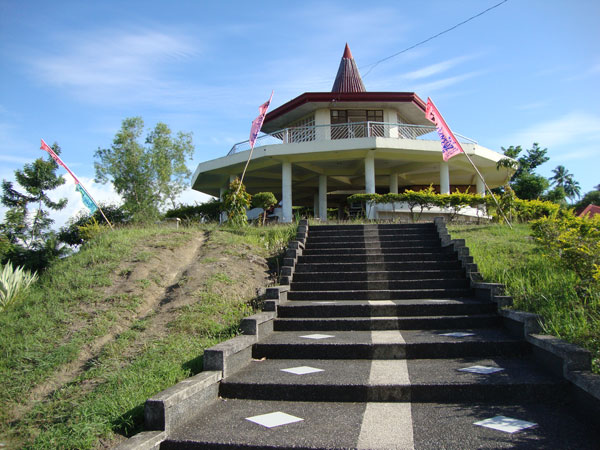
536 283
38 338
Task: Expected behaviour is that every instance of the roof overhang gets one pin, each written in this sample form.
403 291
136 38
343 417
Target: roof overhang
408 104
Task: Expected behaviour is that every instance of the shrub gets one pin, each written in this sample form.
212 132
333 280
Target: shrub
264 200
574 242
235 202
13 282
204 212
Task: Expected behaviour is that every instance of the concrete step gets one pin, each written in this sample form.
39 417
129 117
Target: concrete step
378 275
383 308
436 283
418 243
386 323
382 258
371 250
315 229
373 266
420 380
382 294
371 237
389 344
383 425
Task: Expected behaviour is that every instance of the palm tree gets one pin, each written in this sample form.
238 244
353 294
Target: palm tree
561 176
572 188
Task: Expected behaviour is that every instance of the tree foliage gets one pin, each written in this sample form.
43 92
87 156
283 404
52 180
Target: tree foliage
525 182
146 176
28 238
235 202
264 200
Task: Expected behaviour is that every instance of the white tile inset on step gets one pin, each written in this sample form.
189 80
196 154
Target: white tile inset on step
505 424
481 369
458 334
317 336
274 419
302 370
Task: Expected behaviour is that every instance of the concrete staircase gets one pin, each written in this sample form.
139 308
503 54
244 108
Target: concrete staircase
365 354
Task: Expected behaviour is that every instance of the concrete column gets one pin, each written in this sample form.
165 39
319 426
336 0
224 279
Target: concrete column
316 206
444 178
286 191
323 197
370 173
231 178
394 183
480 186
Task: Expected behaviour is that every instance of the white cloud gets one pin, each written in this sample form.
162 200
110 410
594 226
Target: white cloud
437 68
116 66
445 82
576 127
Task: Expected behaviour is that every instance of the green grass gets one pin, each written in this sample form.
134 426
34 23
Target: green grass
66 309
536 283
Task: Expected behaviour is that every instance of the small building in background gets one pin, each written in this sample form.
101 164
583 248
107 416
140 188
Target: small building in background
321 147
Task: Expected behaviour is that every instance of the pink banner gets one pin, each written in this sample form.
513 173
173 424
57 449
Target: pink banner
450 145
258 122
58 160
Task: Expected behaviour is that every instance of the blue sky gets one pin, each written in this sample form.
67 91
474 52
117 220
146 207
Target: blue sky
527 71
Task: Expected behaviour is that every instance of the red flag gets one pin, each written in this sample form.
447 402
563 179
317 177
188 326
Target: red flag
258 122
450 145
54 155
58 160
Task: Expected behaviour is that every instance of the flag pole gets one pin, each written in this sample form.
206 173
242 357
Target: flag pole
451 147
259 120
97 206
488 188
60 162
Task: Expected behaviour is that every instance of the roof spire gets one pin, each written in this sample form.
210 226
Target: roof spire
348 78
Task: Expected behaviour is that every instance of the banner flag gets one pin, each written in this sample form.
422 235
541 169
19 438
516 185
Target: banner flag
450 145
87 201
59 161
258 122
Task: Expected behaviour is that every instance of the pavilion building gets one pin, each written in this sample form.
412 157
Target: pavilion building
321 147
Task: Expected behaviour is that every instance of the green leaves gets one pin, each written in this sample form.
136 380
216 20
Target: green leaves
13 281
150 176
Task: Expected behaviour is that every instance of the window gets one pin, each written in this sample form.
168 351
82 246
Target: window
356 123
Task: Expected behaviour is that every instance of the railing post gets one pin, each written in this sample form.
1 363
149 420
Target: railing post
368 129
286 137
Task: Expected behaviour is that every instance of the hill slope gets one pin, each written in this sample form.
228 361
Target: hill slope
126 317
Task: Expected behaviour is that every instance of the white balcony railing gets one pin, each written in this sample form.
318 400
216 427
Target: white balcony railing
354 130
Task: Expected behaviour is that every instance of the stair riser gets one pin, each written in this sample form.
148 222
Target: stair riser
377 266
499 393
390 351
362 228
387 258
371 251
379 285
379 295
418 243
320 239
377 276
385 324
382 311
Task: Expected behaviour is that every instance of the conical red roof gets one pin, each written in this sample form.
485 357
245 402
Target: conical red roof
348 78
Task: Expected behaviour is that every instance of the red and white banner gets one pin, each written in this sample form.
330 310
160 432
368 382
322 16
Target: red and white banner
450 145
258 122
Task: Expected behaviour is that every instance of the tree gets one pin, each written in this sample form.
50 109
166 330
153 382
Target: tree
146 177
590 198
24 225
264 200
526 184
27 223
